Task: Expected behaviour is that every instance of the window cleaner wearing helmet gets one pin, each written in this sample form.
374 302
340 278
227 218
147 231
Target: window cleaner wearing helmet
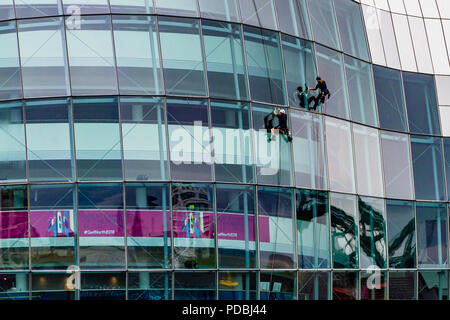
323 92
282 124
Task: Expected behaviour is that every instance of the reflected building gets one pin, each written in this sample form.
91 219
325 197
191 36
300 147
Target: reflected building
135 163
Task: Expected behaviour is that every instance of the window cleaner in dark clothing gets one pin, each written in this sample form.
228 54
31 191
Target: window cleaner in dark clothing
268 124
282 123
303 97
323 92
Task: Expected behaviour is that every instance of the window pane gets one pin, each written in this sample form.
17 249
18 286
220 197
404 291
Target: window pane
433 285
351 28
435 40
277 285
401 231
103 286
260 13
397 165
428 168
10 80
314 286
195 286
146 285
233 156
101 226
37 8
344 229
404 41
148 225
87 6
432 235
236 233
276 228
372 232
293 17
144 138
374 35
331 69
442 84
137 54
12 142
402 285
391 103
447 161
265 67
91 58
361 91
300 65
131 6
309 150
193 226
368 161
97 139
14 243
419 37
219 9
373 288
177 7
7 9
14 286
313 229
224 52
421 103
43 50
53 226
389 41
340 155
182 56
50 156
51 286
345 285
237 285
189 138
323 22
273 158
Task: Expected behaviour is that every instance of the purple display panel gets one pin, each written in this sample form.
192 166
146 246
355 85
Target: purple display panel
146 223
193 224
232 227
101 223
13 224
52 223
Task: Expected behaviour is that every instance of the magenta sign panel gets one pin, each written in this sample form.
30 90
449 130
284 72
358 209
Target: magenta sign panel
101 223
52 223
147 223
13 224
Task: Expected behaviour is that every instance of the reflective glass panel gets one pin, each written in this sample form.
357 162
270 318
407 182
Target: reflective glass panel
331 69
277 285
432 235
397 165
52 226
86 6
7 9
273 157
148 225
177 7
10 75
259 13
433 285
182 55
389 40
43 50
314 286
146 285
193 225
235 285
224 51
51 286
309 150
313 229
37 8
132 6
276 228
428 168
233 156
101 226
12 142
265 66
14 286
137 55
14 243
323 22
50 155
91 57
103 286
293 17
391 102
402 285
97 139
345 285
340 155
144 138
344 230
421 103
195 286
373 285
219 9
189 139
401 231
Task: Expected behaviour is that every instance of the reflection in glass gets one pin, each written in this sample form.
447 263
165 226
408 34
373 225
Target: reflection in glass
86 6
131 6
276 228
10 75
37 8
401 231
220 10
323 22
103 286
177 7
345 285
313 229
293 17
236 224
14 286
193 225
148 225
433 285
277 285
373 285
402 285
237 285
146 285
195 285
260 13
51 286
344 231
314 286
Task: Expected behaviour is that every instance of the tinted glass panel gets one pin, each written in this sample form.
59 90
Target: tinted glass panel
177 7
195 286
131 6
87 6
37 8
314 286
323 22
149 285
433 285
293 17
402 285
219 9
10 80
345 285
258 12
277 286
237 285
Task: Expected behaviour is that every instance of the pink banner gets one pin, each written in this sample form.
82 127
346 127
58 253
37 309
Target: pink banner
101 223
13 224
146 223
52 223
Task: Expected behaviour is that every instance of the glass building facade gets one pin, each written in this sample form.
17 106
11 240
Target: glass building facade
134 162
